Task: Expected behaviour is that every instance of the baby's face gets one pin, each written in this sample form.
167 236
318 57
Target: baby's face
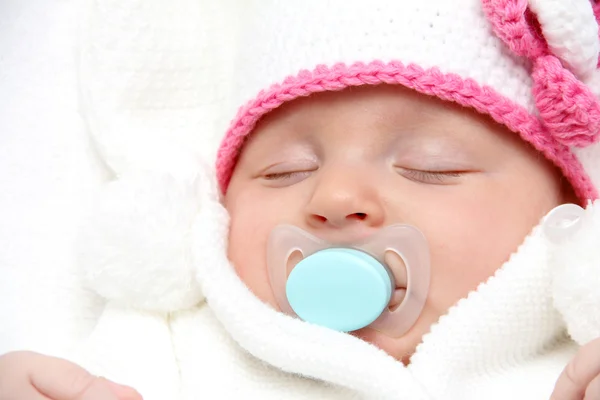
342 165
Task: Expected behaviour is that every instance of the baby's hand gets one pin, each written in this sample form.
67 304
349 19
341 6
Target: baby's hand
31 376
580 380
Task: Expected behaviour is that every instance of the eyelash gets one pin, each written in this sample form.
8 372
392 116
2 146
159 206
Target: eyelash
283 175
416 175
431 176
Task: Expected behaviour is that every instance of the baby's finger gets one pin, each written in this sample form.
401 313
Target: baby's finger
123 392
579 373
30 394
60 379
593 390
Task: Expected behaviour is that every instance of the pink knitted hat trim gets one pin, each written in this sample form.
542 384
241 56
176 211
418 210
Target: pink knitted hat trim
449 87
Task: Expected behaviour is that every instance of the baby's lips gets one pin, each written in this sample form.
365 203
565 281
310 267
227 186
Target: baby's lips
397 298
398 269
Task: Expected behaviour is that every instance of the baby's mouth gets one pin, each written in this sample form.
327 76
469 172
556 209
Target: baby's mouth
351 286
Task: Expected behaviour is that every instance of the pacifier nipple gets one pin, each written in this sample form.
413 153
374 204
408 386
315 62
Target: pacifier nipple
351 287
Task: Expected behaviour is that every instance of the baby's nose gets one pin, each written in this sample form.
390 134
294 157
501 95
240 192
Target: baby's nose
337 220
345 201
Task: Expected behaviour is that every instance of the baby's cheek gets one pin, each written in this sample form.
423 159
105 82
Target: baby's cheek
247 252
460 242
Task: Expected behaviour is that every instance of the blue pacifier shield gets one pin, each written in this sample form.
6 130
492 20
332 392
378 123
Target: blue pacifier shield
342 289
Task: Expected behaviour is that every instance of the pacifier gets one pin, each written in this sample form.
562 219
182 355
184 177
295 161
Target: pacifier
349 287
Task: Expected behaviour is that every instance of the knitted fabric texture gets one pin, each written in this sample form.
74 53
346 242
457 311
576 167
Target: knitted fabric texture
490 55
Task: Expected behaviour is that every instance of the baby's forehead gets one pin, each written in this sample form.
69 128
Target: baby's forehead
368 101
383 113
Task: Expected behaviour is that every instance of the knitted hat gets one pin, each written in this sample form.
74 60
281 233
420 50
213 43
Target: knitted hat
531 65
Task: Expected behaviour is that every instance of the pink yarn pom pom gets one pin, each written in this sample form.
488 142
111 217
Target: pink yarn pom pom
567 107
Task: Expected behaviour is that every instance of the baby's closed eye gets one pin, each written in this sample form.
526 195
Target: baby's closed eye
436 177
287 173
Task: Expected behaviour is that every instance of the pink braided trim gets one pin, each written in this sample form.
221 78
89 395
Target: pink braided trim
449 87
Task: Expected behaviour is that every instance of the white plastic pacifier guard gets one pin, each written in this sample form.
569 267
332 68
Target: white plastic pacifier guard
404 240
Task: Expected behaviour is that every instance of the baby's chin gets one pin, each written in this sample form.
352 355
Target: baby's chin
401 348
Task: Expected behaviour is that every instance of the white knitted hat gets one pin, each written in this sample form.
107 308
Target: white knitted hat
530 65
